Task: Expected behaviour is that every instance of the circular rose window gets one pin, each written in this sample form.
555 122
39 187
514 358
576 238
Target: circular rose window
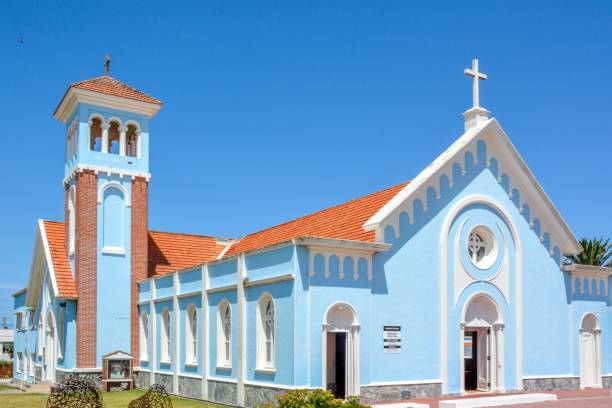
482 247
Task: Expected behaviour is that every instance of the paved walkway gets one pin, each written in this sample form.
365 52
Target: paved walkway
591 398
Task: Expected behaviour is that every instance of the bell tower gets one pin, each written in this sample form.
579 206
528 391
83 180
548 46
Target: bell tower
106 177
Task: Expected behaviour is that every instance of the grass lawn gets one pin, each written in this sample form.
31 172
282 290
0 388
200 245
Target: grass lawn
111 400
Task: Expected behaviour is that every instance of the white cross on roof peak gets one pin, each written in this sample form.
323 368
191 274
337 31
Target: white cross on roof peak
477 76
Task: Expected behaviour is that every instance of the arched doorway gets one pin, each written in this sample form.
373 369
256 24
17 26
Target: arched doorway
341 351
482 346
49 357
590 360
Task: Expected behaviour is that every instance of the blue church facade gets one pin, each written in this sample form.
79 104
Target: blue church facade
453 282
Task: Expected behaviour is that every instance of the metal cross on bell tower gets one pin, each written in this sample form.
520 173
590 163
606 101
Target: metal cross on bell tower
107 61
476 115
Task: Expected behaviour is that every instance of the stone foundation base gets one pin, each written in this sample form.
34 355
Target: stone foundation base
95 376
222 392
257 395
377 393
551 384
166 380
190 387
142 379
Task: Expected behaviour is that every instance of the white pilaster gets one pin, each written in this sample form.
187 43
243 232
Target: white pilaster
597 340
105 127
153 333
122 141
138 145
324 331
176 349
356 357
205 321
499 361
242 331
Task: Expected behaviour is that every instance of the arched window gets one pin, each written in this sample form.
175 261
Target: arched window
95 135
143 348
113 138
131 140
165 337
265 332
224 335
60 332
191 335
71 218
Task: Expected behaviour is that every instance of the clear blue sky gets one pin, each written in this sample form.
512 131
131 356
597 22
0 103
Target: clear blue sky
277 109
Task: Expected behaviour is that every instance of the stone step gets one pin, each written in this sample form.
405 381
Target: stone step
406 404
497 401
40 388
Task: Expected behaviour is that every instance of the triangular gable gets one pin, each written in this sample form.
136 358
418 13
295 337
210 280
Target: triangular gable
503 158
48 256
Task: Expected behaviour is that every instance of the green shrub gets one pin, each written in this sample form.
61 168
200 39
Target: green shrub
313 399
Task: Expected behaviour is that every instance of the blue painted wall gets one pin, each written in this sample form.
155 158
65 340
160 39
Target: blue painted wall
113 279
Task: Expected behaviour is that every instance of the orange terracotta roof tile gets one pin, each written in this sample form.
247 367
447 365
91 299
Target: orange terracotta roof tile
169 251
111 86
56 235
344 221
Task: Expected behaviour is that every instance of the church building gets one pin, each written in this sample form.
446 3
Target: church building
453 282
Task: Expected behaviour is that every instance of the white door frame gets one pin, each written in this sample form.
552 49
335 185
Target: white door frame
352 329
590 326
495 344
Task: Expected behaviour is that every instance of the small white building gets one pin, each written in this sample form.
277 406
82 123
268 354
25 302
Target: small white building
7 338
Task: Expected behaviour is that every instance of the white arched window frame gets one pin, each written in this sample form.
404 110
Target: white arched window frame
224 335
113 140
191 335
143 348
165 337
98 133
265 336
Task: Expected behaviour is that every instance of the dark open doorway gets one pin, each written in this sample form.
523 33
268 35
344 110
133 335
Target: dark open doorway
470 354
336 364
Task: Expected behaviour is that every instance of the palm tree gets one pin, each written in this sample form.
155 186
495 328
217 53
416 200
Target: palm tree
595 252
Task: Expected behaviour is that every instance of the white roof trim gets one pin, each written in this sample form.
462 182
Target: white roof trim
35 269
589 269
104 169
48 256
509 162
422 178
343 244
75 95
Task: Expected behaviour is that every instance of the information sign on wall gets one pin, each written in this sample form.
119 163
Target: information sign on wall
392 339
